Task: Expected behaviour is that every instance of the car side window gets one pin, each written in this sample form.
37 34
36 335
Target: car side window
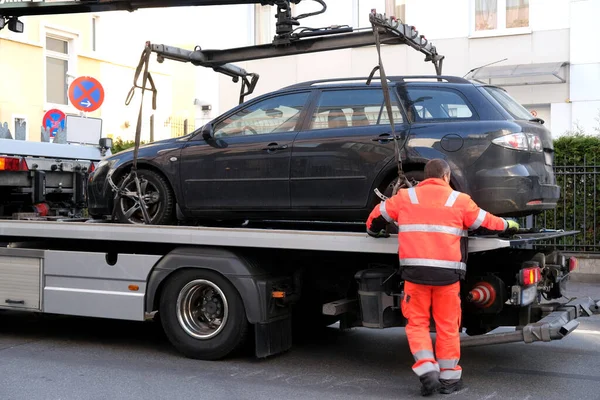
352 108
272 115
430 104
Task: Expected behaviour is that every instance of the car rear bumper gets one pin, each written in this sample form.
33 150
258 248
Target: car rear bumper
513 192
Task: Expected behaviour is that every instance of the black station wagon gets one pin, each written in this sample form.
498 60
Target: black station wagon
318 150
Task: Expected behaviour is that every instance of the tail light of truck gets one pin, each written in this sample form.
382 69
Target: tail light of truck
13 164
573 263
520 141
530 276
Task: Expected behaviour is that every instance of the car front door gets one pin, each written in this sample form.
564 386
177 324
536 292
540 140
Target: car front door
347 142
246 163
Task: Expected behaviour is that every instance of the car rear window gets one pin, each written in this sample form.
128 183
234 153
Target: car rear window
431 104
516 110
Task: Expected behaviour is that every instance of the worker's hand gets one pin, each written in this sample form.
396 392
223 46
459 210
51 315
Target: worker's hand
513 226
381 234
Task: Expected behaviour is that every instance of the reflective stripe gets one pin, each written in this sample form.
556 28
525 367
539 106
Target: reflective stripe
384 213
479 220
432 228
425 262
450 374
423 354
426 368
412 193
452 198
448 364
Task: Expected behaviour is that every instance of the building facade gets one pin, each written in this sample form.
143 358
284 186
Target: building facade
39 64
544 52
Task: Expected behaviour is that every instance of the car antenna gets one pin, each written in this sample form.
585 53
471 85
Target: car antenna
483 66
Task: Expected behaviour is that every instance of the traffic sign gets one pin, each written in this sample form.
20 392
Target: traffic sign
86 94
54 120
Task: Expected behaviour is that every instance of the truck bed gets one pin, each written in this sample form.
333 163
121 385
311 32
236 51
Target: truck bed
319 240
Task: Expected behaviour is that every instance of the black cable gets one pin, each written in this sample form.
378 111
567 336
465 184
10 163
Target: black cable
321 2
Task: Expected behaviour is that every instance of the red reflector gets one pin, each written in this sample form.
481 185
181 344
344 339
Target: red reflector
9 164
23 165
573 262
534 203
530 276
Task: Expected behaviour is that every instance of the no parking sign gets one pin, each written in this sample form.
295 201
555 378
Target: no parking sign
86 94
54 121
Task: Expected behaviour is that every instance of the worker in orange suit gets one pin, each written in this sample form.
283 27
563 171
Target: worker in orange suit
433 222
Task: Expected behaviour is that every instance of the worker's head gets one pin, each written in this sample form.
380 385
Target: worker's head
437 168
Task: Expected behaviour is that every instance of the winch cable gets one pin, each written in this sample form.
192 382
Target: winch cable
138 198
388 105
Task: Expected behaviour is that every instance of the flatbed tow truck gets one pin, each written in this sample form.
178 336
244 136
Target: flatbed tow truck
215 288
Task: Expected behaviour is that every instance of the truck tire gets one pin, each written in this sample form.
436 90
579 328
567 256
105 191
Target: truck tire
161 196
202 314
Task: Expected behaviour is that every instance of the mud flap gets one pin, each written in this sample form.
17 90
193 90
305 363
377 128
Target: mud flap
273 337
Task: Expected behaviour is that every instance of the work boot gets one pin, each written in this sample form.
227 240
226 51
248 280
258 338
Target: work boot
430 383
451 386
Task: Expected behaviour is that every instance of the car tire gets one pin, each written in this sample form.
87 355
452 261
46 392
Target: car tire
413 176
161 210
184 326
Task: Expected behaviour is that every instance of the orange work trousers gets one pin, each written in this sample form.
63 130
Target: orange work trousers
444 301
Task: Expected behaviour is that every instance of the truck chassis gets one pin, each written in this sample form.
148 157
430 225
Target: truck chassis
210 286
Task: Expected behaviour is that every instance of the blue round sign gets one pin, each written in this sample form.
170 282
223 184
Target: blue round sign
54 120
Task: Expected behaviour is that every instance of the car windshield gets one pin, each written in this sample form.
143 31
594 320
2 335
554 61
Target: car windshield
510 105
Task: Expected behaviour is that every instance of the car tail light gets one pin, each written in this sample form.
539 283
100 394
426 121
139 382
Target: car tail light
573 263
13 164
530 276
520 141
535 143
92 168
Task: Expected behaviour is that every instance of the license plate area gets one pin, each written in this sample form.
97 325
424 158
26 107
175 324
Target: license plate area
523 295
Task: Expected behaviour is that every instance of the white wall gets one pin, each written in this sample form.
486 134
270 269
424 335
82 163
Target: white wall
561 118
439 19
549 14
585 59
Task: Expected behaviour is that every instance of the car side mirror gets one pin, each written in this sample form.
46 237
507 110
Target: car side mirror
207 132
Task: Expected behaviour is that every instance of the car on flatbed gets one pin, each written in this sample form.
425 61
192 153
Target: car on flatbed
318 150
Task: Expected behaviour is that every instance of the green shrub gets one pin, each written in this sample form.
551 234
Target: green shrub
120 145
577 157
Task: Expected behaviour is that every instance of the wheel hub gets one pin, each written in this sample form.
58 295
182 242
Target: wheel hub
202 309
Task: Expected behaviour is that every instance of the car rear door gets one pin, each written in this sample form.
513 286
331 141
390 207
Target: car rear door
246 165
344 145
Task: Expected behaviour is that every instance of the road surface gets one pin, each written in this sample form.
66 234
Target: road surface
64 358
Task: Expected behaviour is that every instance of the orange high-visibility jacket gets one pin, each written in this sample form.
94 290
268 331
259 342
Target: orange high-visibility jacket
433 223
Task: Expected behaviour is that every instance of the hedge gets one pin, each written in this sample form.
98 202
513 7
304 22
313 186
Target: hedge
577 168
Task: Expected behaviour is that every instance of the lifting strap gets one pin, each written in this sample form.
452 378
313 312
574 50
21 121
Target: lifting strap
137 197
388 105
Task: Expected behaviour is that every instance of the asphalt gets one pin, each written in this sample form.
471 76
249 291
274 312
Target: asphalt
64 358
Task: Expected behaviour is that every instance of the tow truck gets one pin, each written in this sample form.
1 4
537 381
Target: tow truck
215 288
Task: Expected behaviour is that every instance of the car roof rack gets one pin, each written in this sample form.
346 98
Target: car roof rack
447 78
390 79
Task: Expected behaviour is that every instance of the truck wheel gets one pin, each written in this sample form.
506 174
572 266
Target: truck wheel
157 195
202 314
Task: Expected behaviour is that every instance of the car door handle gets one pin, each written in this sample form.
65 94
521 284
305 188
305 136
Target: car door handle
384 138
275 146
